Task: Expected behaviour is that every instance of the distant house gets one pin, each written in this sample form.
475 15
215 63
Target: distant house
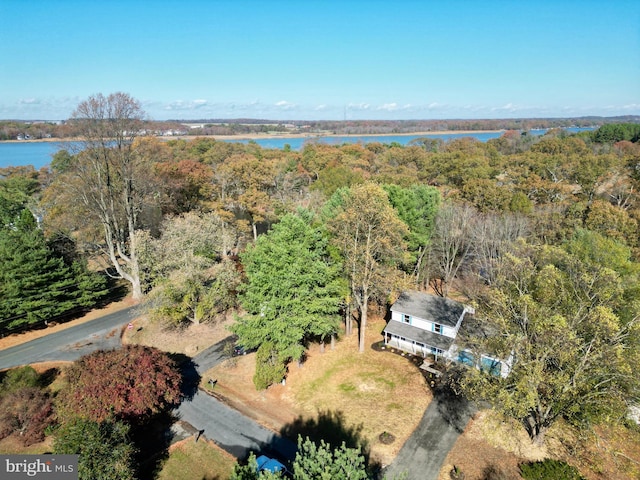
423 324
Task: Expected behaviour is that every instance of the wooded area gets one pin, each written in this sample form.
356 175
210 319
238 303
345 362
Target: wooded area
539 232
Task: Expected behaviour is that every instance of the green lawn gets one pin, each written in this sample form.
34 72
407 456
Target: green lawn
200 460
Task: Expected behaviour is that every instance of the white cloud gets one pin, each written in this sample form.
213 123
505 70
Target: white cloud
358 106
182 105
29 101
283 104
509 107
388 106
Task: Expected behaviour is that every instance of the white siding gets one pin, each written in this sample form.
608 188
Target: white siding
423 324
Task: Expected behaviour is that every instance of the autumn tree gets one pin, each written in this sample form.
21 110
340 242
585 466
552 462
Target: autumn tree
243 184
107 181
18 186
132 383
292 295
558 321
187 181
370 236
189 270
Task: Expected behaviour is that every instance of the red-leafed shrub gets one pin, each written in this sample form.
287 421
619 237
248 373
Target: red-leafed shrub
26 412
132 383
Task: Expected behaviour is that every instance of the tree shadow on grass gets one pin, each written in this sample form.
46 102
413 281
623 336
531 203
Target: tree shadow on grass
47 377
331 427
152 440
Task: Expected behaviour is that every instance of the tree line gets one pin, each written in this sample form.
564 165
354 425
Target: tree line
37 130
540 233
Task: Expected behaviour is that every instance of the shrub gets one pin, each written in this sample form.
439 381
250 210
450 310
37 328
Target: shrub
27 411
104 448
494 472
17 378
132 383
270 368
549 470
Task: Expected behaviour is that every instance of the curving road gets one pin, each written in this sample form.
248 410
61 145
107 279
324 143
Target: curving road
421 457
231 430
70 344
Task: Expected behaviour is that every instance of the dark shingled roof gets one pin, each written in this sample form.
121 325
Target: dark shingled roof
429 307
423 336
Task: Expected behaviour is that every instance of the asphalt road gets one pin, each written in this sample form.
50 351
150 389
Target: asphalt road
228 428
231 430
70 344
423 454
421 457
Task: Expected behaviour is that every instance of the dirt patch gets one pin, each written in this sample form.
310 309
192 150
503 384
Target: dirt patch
188 340
12 445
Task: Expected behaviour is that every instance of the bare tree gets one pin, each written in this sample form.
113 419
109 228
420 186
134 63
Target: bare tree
490 237
450 245
109 179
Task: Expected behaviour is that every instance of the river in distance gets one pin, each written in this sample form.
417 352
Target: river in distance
39 154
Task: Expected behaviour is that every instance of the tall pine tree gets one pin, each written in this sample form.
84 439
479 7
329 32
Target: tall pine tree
35 284
293 295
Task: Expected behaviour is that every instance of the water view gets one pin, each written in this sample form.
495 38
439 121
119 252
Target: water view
39 154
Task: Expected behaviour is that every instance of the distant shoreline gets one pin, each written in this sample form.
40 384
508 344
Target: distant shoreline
259 136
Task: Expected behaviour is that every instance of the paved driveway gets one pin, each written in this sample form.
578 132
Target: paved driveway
231 430
424 452
228 428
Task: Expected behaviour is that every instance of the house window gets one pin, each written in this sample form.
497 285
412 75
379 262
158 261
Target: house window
466 358
437 328
406 318
491 365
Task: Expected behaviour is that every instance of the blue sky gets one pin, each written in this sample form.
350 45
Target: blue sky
328 59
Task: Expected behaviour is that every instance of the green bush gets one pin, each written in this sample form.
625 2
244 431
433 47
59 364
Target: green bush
18 378
549 470
270 368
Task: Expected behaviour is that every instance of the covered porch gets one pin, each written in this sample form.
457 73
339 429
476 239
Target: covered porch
415 340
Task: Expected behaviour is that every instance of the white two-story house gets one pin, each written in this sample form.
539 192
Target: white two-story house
423 324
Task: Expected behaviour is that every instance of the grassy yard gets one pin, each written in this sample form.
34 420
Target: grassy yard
340 393
202 460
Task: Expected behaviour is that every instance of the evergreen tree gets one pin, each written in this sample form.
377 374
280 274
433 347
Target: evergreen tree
323 462
292 295
35 284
